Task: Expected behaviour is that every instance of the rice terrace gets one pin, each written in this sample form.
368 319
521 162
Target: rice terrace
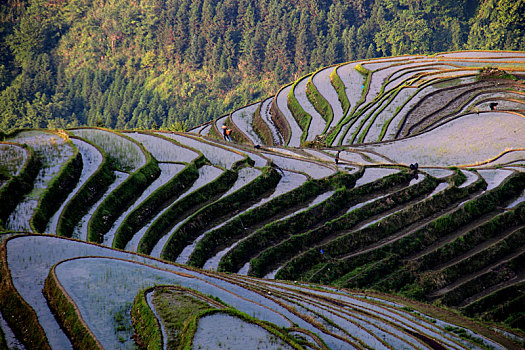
374 204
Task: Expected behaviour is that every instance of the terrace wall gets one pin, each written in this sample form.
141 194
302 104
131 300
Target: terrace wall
280 120
219 209
300 115
16 311
261 128
90 192
17 186
121 198
68 315
320 103
57 191
147 328
156 201
339 87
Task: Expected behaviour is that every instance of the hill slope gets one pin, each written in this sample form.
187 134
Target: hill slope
426 200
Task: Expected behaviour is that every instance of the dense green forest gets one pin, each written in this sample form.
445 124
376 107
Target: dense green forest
177 63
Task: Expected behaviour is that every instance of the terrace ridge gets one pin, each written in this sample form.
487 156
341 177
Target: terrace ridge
68 314
12 192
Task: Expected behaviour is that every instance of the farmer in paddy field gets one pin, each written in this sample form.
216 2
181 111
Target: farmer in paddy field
226 133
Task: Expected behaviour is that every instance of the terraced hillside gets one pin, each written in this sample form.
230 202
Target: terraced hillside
399 223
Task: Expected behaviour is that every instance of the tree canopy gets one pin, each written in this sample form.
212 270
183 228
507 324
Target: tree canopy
178 63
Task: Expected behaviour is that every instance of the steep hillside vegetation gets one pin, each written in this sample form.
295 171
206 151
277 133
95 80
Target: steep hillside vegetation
175 64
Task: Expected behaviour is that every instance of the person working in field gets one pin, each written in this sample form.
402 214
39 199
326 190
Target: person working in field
226 133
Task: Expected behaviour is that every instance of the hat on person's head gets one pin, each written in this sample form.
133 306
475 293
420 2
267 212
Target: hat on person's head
224 126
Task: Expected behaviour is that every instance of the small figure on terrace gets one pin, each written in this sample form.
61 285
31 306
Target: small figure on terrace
279 169
226 133
492 106
414 166
337 158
